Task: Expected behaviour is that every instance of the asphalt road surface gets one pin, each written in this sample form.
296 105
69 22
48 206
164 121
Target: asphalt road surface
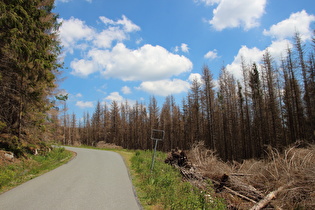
94 179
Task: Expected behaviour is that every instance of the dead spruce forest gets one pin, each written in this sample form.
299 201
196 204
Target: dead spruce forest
271 105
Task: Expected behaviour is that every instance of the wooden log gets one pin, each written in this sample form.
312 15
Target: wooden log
264 202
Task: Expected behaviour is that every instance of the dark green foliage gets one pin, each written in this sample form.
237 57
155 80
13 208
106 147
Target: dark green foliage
28 66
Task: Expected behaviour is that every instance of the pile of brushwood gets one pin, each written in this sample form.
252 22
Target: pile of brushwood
282 181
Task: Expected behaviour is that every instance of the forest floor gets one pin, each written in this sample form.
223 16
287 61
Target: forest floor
281 181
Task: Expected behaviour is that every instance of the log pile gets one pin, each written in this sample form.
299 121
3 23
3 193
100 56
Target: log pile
231 183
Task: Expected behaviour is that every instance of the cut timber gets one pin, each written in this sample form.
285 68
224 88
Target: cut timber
237 185
234 192
261 204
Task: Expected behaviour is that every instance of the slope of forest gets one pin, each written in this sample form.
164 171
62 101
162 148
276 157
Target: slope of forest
272 105
29 50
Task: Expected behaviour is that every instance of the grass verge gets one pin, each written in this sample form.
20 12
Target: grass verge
14 174
164 188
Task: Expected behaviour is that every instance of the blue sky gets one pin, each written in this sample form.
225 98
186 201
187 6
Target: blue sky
133 49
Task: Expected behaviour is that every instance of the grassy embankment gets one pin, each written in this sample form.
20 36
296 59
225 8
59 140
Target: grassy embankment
164 188
20 171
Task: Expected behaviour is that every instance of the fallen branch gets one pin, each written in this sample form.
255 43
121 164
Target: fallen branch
264 202
234 192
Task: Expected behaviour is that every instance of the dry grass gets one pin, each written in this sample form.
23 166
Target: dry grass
104 145
295 166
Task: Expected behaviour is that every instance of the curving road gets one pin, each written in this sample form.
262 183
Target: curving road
94 179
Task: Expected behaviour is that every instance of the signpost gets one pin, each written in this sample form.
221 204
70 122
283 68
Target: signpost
156 135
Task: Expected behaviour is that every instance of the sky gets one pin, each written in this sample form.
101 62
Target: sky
134 49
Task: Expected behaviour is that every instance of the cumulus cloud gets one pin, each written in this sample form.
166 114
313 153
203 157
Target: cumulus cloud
72 31
297 22
83 68
211 54
75 34
240 13
146 63
165 87
127 24
195 76
250 54
277 50
106 37
114 96
84 104
126 90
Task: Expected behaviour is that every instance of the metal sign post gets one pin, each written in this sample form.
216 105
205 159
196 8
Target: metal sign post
156 135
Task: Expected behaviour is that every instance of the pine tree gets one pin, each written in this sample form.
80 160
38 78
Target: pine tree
28 59
258 123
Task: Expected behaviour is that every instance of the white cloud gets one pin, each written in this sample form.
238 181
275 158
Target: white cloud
232 13
114 96
128 25
116 31
250 54
195 76
84 104
297 22
146 63
184 48
211 54
73 31
126 90
83 68
106 37
165 87
75 34
278 49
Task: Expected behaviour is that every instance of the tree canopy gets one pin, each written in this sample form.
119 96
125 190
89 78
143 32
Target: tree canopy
29 50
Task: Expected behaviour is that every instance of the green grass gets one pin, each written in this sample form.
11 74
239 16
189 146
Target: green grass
17 173
164 188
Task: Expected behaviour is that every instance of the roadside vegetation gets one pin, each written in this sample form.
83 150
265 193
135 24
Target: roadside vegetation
18 171
163 188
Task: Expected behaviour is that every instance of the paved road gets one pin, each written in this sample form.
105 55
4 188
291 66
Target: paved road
94 179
